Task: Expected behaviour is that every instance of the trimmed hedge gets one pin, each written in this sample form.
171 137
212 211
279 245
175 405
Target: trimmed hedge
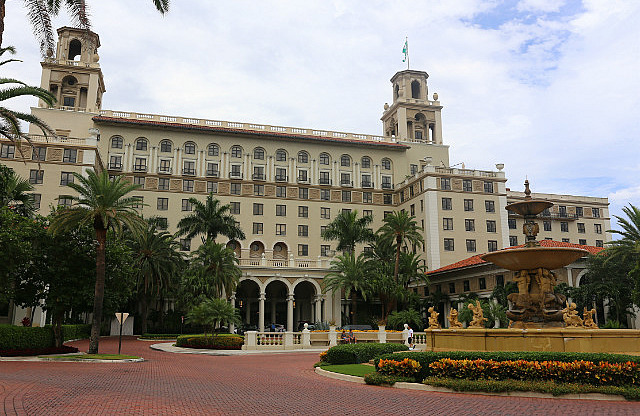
14 337
426 358
79 331
162 336
216 342
360 353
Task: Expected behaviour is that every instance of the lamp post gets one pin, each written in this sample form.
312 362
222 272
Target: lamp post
121 317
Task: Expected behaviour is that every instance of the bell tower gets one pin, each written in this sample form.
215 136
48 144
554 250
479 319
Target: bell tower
412 116
73 75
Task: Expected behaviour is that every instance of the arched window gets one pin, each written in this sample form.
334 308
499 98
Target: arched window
258 153
75 49
415 89
386 164
213 150
345 160
142 144
190 148
303 157
396 92
236 151
365 162
116 142
325 159
281 155
165 146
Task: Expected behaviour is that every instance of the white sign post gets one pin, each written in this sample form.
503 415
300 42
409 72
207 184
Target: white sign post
121 317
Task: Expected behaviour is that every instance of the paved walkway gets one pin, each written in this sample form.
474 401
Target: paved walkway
185 384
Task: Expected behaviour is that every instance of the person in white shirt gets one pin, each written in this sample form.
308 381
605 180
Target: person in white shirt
410 340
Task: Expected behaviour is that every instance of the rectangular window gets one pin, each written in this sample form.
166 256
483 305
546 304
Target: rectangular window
546 225
367 213
579 212
303 175
386 182
70 155
491 226
445 184
387 199
488 187
565 240
412 209
162 223
421 204
482 283
69 101
235 188
447 224
281 191
37 198
448 244
325 213
466 286
366 181
513 240
324 178
36 176
281 229
7 151
582 241
189 167
490 206
281 210
115 162
163 184
499 280
139 180
367 197
469 224
303 231
39 153
324 250
212 170
597 228
581 228
599 243
258 190
303 250
564 226
258 228
562 210
468 204
258 209
258 173
492 245
595 212
66 178
471 246
139 202
512 223
323 228
163 204
212 187
140 164
345 179
185 244
466 185
325 194
234 208
65 201
186 205
303 211
303 193
452 287
346 196
346 210
447 204
281 174
413 168
187 185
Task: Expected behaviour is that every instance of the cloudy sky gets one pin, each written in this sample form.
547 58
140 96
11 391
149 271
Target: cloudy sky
550 88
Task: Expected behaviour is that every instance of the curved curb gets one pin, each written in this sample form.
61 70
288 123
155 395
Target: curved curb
94 360
169 347
426 387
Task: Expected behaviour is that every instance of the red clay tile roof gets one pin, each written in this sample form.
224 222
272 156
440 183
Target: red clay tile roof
476 260
286 136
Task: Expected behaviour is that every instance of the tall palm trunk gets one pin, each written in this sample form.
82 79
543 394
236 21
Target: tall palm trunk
144 306
396 271
354 305
98 299
57 327
2 11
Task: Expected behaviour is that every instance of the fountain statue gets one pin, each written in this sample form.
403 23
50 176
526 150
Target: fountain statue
453 319
478 315
433 319
535 305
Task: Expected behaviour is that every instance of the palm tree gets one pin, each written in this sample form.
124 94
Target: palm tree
156 260
104 204
628 247
401 228
41 12
216 267
211 313
349 273
211 219
13 191
11 121
349 230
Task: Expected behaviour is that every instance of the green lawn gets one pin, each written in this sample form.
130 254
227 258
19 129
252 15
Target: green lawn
93 357
359 370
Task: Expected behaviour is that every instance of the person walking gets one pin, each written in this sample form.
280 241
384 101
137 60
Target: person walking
410 339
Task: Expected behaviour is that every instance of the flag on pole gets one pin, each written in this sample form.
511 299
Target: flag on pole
405 50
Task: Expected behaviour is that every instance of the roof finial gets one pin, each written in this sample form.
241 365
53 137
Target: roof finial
527 191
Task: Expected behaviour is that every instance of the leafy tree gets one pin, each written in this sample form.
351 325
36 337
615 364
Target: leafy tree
211 218
212 313
627 248
349 230
213 272
13 192
500 292
157 259
349 273
396 320
104 204
402 229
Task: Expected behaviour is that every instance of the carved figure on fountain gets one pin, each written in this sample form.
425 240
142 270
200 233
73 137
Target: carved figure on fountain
588 318
433 319
453 319
571 317
478 315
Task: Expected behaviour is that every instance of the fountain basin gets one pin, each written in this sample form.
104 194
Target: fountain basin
534 257
529 207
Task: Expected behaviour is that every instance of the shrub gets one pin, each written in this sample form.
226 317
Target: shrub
25 337
79 331
426 358
219 342
360 353
377 379
404 368
564 372
323 356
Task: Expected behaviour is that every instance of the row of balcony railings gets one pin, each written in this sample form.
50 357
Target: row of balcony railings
322 262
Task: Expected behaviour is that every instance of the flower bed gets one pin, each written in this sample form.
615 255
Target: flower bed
216 342
403 368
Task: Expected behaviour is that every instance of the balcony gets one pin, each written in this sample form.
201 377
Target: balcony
189 172
281 178
165 170
346 184
258 177
303 179
386 185
115 166
140 168
325 181
213 173
235 175
367 184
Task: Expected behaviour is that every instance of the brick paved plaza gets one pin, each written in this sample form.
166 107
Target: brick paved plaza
172 384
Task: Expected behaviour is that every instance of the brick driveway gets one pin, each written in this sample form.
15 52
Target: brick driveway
174 384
